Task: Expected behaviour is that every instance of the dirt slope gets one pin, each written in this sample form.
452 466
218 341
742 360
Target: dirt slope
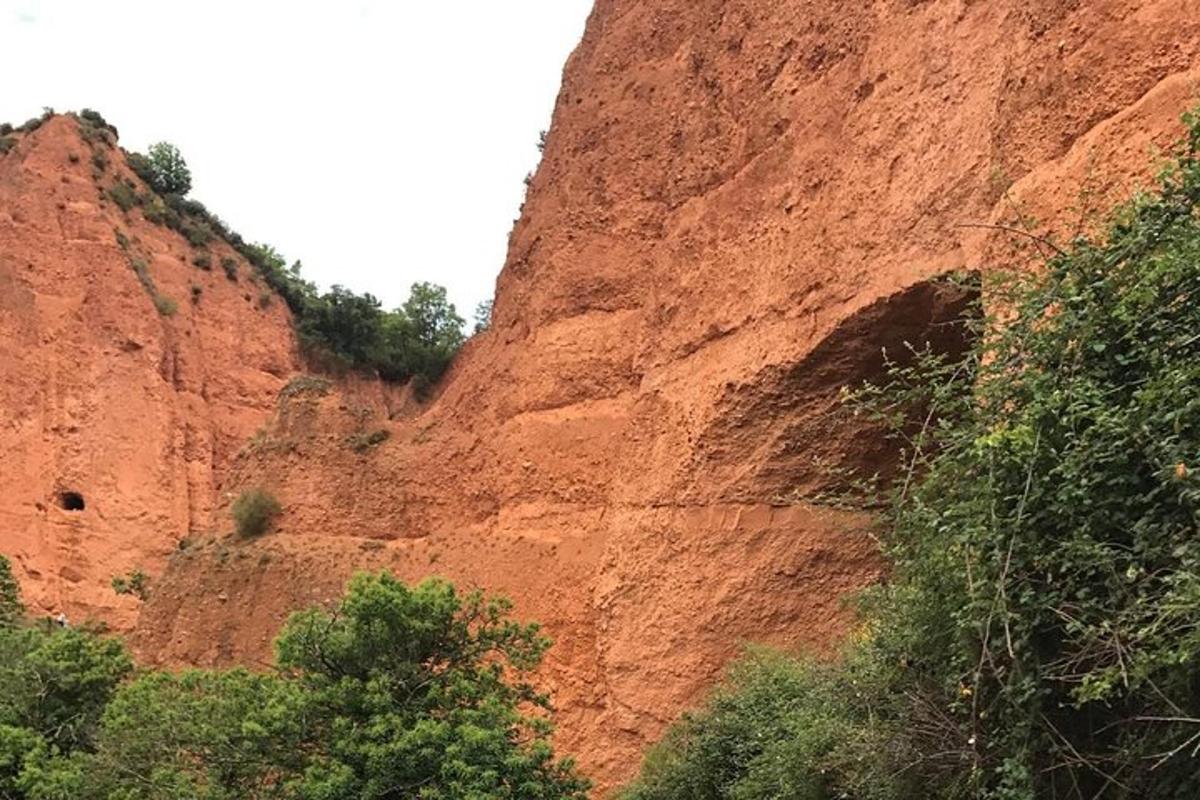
740 205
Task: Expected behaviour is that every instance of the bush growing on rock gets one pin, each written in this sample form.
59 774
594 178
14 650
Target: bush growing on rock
164 169
1038 638
254 511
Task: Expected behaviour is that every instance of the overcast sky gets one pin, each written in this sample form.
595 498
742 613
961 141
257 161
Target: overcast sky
381 142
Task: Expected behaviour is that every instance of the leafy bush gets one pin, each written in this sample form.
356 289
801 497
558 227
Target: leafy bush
231 268
164 169
123 195
397 686
7 143
1039 636
31 125
253 512
165 306
11 608
483 316
203 261
54 685
95 120
136 583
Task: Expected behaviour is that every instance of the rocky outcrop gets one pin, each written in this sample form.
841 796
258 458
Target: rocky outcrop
741 203
104 402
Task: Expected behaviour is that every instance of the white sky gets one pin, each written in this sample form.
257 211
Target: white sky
379 142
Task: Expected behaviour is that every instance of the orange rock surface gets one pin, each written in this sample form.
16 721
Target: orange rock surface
741 203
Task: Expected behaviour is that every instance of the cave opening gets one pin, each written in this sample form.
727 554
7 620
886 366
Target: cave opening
71 501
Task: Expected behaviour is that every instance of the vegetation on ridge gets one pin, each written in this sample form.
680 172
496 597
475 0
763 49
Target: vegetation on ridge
1039 636
397 691
339 328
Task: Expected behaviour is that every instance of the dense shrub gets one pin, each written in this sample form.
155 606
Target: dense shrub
165 170
54 685
7 143
231 268
254 511
123 195
31 125
399 691
11 608
1039 637
203 261
339 328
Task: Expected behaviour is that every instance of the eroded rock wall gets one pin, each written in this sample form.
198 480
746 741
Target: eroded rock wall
741 202
100 395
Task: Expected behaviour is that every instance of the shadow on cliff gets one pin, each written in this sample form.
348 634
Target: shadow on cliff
790 416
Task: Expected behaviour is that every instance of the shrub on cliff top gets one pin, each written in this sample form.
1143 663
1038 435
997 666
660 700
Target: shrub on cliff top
253 512
1039 635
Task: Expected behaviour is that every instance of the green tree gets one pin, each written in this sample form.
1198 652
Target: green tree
54 685
168 172
230 735
421 337
421 692
398 692
483 316
11 608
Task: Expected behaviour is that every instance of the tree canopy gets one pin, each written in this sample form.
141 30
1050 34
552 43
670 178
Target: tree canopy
396 692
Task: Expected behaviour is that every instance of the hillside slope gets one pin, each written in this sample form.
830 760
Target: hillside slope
740 204
136 412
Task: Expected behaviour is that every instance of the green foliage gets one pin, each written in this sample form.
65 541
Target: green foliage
413 692
95 120
203 735
165 306
483 316
338 328
123 195
203 260
1039 635
136 583
418 339
164 169
253 512
424 689
754 739
54 685
31 125
7 143
11 608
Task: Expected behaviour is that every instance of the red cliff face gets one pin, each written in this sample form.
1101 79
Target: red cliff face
101 396
741 204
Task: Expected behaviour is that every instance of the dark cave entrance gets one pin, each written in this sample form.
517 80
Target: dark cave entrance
71 501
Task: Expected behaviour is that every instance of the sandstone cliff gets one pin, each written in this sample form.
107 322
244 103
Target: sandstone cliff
741 203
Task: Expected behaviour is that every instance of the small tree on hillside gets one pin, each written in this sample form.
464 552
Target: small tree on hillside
169 173
11 609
